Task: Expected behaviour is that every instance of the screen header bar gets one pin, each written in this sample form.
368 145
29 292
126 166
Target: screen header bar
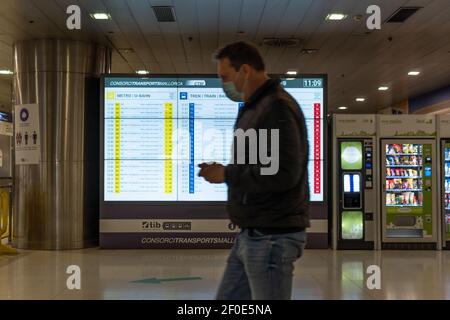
199 82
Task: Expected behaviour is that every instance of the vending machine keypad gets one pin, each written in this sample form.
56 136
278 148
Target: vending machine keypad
368 164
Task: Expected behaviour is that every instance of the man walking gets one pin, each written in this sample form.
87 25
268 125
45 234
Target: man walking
270 209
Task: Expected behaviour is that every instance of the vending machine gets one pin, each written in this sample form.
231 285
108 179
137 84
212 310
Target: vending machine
354 177
6 180
409 184
444 150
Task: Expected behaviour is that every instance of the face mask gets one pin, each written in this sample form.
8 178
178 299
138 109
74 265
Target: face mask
230 91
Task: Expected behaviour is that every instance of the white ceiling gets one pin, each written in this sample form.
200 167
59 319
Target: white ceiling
356 62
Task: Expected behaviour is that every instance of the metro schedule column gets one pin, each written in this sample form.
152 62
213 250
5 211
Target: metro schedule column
205 115
117 147
139 148
168 164
191 147
317 148
309 94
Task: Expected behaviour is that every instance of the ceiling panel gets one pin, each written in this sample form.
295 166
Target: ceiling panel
158 47
208 13
268 25
251 15
293 15
27 17
355 60
187 20
130 34
152 48
90 6
5 56
311 18
229 17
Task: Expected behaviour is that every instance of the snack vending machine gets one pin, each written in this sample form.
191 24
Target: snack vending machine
444 150
409 182
354 178
6 180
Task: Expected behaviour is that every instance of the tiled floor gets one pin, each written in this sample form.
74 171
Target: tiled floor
320 274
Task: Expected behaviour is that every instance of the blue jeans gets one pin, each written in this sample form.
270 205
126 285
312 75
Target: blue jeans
260 267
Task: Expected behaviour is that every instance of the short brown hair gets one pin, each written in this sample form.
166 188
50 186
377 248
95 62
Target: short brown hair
240 53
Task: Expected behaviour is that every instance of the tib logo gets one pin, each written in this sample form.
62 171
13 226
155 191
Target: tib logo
151 225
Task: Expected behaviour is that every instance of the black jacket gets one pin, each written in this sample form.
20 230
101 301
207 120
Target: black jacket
271 201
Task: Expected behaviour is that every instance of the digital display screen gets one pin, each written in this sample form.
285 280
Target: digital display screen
5 116
157 130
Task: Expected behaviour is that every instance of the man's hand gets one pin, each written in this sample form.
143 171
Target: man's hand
213 173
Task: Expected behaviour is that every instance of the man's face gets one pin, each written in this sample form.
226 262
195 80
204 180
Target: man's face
227 73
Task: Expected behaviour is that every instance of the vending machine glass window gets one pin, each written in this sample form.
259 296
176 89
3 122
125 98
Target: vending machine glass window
403 175
408 179
447 189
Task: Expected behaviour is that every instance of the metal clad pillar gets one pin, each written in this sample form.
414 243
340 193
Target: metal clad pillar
54 208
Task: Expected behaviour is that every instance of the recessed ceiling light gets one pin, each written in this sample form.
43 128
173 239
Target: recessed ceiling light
8 72
291 72
360 99
383 88
413 73
142 72
100 16
342 108
336 16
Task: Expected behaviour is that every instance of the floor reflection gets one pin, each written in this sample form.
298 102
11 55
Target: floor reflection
320 274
